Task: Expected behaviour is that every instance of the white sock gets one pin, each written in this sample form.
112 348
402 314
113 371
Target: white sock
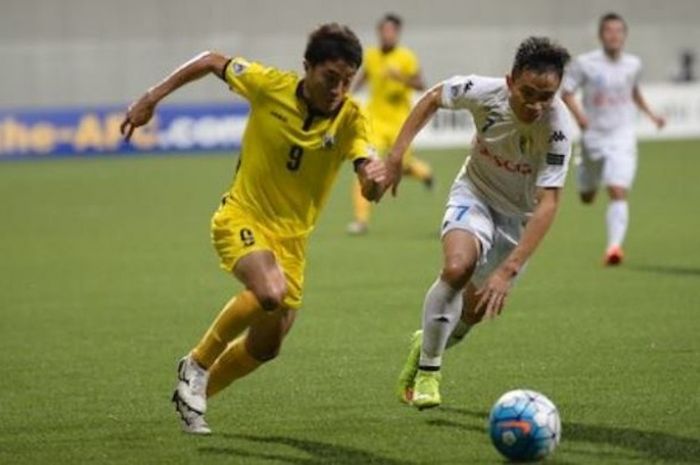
441 312
458 334
617 218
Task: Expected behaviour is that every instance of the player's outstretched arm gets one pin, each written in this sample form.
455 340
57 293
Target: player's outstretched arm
141 111
642 104
570 101
416 81
493 293
421 113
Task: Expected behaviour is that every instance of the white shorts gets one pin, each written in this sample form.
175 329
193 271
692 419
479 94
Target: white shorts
610 161
497 234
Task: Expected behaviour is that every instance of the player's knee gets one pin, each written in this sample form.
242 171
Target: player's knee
617 193
456 273
271 296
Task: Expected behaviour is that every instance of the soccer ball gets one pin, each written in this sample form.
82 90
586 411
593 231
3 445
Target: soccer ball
524 425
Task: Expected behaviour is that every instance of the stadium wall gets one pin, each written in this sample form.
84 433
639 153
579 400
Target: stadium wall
97 52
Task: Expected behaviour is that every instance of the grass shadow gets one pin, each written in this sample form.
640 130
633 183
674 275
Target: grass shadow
651 446
320 453
666 269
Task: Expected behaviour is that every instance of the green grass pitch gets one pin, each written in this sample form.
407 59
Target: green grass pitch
107 277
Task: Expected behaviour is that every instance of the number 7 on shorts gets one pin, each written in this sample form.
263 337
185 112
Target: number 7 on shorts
461 211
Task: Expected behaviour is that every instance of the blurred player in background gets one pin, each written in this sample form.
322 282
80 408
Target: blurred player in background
610 82
299 132
392 72
501 205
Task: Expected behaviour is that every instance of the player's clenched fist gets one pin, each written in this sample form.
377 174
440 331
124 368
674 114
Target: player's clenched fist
373 179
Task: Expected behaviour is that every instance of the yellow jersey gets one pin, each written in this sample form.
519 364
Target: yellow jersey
390 100
290 156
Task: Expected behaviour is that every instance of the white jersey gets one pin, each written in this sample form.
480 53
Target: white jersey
509 158
607 86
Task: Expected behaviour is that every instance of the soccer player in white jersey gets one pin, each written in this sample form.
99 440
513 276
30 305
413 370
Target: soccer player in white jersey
502 202
609 79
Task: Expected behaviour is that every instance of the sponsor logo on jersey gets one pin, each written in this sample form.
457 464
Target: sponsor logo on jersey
501 162
556 159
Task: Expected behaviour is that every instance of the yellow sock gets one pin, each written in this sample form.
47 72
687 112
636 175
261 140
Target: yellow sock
418 169
235 317
233 364
360 205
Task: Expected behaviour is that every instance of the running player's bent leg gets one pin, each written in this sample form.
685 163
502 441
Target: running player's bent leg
441 313
261 344
266 289
233 319
443 303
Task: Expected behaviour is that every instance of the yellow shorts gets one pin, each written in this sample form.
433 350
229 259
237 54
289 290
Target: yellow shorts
235 233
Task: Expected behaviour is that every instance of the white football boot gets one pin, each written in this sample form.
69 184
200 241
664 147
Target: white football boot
190 396
192 422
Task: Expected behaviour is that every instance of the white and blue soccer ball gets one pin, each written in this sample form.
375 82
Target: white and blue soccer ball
524 425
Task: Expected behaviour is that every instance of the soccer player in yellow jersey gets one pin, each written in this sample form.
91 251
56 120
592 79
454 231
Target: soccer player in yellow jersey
392 73
299 132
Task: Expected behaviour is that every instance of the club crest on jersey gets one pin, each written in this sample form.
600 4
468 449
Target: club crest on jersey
557 136
328 141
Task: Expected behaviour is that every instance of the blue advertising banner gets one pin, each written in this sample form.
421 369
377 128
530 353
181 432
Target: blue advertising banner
94 131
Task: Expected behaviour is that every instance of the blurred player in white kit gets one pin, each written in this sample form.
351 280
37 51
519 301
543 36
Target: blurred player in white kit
609 79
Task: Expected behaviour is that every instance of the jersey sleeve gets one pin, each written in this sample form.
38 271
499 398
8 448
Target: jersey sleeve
553 169
247 78
573 77
460 93
359 133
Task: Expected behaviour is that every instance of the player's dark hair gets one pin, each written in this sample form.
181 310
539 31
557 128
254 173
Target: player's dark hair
332 41
541 55
612 16
392 18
